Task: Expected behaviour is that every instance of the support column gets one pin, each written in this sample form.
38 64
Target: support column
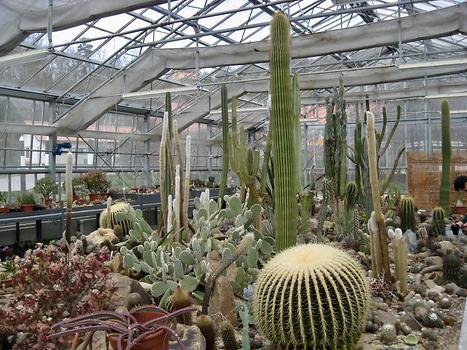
146 170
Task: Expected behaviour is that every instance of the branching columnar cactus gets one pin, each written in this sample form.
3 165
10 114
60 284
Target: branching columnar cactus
407 213
285 181
445 186
225 141
399 247
378 229
312 296
125 220
438 225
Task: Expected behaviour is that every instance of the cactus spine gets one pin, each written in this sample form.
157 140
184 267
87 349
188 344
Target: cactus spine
399 247
208 330
179 300
444 189
69 198
451 267
285 202
407 214
437 221
225 141
380 239
311 296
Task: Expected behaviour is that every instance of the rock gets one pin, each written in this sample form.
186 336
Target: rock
97 238
410 321
409 296
462 292
412 241
420 313
433 260
444 248
452 288
191 338
124 287
223 302
147 286
314 225
384 317
215 260
449 320
435 291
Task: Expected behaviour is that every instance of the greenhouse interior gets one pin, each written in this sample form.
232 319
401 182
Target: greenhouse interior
250 174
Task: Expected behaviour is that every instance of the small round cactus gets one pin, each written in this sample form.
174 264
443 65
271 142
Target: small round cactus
432 320
388 334
407 214
312 296
437 221
451 268
126 224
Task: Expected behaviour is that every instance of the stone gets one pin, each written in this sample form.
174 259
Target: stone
449 320
433 260
124 287
191 338
314 225
97 238
420 313
222 304
411 322
412 241
452 288
445 247
384 317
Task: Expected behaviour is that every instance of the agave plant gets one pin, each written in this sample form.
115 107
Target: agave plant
125 326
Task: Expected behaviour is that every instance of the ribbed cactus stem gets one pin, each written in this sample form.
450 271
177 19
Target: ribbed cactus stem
225 142
311 297
169 213
285 181
177 200
186 187
375 246
109 213
445 186
178 147
69 195
399 246
381 238
407 213
437 220
297 132
162 169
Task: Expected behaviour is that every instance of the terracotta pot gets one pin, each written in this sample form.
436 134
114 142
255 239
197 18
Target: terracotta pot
4 210
8 282
93 197
27 207
156 341
76 197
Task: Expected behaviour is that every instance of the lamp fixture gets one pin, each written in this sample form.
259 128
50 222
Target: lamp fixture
23 57
155 93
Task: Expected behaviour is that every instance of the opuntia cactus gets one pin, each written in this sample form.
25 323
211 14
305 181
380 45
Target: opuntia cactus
285 182
437 221
445 186
311 296
407 214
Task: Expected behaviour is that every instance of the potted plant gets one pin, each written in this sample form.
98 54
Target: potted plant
9 270
26 201
45 187
3 203
146 327
96 183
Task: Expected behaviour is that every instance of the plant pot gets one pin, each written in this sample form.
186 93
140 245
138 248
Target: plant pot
76 197
156 341
27 207
93 197
4 210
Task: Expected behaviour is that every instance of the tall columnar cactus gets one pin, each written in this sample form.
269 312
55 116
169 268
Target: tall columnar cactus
407 213
186 185
69 197
164 187
399 247
437 221
445 186
181 163
225 141
381 239
351 196
296 107
285 181
311 296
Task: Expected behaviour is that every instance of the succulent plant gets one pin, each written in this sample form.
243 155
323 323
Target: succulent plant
411 339
120 214
351 195
432 320
388 334
451 267
311 296
205 324
407 214
437 221
445 302
179 300
228 336
399 247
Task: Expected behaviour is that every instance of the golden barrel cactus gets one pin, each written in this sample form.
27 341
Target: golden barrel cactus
312 297
126 222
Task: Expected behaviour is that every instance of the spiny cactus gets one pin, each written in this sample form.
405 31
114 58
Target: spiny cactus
311 296
179 300
388 334
228 336
445 186
205 324
351 194
437 221
125 221
407 214
325 203
451 267
399 247
285 182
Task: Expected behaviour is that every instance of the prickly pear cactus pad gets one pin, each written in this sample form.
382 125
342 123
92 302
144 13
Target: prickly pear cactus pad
312 297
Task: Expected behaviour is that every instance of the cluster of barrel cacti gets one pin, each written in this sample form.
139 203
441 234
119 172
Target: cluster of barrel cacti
188 265
312 296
